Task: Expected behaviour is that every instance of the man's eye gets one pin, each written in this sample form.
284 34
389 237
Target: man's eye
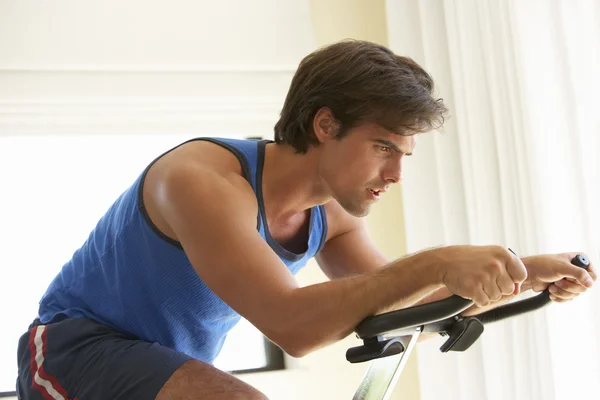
385 149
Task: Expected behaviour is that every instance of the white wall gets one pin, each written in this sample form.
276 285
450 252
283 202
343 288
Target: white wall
147 66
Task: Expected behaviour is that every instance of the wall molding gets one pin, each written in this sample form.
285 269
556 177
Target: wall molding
129 68
226 99
146 103
211 115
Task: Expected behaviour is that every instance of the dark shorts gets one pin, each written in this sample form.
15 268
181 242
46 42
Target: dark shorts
78 358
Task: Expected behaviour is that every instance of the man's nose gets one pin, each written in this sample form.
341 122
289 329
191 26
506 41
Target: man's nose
393 173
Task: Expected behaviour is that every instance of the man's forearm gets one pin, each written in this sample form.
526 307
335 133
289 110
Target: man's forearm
320 314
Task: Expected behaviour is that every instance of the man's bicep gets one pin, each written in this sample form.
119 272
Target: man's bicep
215 224
350 253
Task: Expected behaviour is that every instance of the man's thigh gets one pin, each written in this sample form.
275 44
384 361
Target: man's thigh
197 380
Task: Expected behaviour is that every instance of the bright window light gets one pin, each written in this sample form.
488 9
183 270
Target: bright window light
54 190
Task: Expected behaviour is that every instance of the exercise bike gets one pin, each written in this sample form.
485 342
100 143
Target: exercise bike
388 339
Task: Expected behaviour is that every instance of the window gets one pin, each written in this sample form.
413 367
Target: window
54 189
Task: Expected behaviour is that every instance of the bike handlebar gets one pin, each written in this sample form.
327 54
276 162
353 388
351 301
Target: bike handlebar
436 313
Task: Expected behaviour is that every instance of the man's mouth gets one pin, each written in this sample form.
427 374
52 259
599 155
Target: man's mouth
374 193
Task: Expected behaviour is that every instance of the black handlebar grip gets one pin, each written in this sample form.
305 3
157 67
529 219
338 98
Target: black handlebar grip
527 305
581 261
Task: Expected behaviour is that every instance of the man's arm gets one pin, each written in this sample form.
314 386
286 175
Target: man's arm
350 251
353 252
213 216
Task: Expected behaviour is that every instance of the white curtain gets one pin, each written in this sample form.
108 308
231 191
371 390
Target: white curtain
517 165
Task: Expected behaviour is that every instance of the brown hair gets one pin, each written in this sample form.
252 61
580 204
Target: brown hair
358 81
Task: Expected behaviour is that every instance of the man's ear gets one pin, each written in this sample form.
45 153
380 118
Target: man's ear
325 126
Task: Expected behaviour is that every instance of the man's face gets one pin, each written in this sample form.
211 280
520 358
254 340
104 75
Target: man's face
363 165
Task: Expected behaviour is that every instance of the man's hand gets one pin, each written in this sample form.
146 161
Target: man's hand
484 274
555 271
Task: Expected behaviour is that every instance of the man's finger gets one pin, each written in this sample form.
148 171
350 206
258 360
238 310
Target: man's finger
557 299
560 293
506 285
492 291
569 286
592 271
572 292
577 273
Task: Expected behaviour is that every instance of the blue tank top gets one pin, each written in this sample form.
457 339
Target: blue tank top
130 276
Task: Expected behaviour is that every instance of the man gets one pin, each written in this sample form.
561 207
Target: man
217 228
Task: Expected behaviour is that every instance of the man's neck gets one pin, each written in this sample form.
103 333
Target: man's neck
291 182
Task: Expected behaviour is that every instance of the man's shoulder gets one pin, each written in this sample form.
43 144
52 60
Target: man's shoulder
198 155
207 154
200 170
